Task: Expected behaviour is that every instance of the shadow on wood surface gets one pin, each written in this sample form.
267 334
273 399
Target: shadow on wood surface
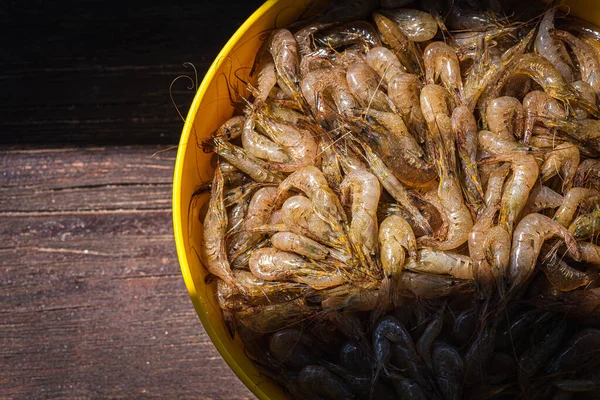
98 71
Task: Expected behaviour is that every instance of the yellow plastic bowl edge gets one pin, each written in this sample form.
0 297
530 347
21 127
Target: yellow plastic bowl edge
176 199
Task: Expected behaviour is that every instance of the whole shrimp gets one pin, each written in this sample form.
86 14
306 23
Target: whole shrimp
587 92
406 156
441 62
230 129
284 49
465 131
275 265
334 82
360 32
365 85
269 318
547 76
395 188
437 106
572 200
402 47
481 269
540 106
259 211
588 174
427 286
417 25
254 168
213 238
528 238
362 190
301 245
525 173
349 298
404 92
442 262
551 49
562 161
541 198
589 64
260 146
298 216
295 141
470 19
505 117
396 239
586 225
385 63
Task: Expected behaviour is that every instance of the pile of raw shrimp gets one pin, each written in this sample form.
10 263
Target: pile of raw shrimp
407 205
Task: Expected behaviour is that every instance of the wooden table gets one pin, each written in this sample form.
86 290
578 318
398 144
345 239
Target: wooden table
92 303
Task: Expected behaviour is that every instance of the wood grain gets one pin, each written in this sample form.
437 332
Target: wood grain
92 303
99 71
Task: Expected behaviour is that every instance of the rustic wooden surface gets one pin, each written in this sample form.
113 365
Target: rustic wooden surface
92 303
73 71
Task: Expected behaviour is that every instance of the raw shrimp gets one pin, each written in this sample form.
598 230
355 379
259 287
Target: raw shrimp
493 193
496 245
311 181
528 238
395 188
580 352
330 165
586 225
396 239
551 49
562 276
213 238
399 149
389 330
360 32
260 146
385 63
231 129
365 85
589 64
587 93
539 106
298 214
349 298
261 292
505 117
441 62
295 141
465 132
362 190
563 160
417 25
442 262
284 49
437 106
255 169
544 74
269 318
539 353
305 35
334 81
402 47
271 264
265 82
479 353
292 348
525 173
404 92
460 18
588 174
590 253
259 211
425 342
448 368
541 198
319 381
427 286
292 242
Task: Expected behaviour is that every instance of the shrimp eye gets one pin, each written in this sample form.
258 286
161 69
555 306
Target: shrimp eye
389 276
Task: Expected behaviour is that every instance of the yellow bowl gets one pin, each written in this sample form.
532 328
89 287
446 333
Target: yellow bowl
212 107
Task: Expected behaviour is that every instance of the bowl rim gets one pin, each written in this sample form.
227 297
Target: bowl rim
176 199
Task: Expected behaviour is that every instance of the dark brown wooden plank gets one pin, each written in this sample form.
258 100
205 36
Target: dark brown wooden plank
99 71
92 304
